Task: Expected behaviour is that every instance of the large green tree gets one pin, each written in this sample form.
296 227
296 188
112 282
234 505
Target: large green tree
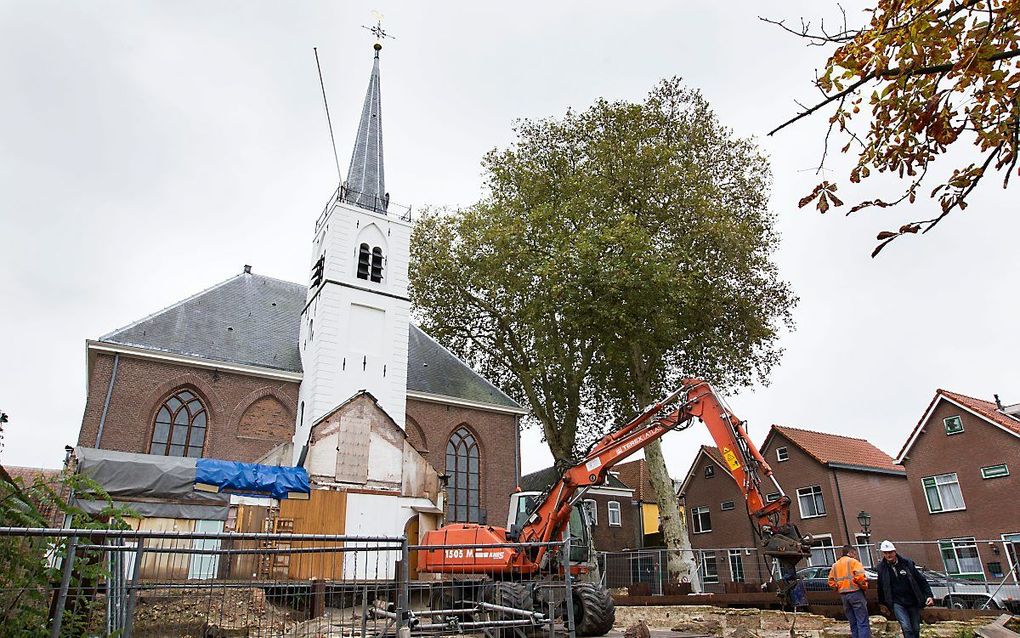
617 250
917 80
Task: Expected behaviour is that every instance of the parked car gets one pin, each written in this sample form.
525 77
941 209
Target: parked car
958 593
817 578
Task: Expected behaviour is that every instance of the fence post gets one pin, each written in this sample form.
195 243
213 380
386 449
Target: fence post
403 587
65 581
569 597
129 621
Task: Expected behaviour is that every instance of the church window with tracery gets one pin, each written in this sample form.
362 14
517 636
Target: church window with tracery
462 470
180 426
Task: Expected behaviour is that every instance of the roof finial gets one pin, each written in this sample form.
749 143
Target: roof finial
378 31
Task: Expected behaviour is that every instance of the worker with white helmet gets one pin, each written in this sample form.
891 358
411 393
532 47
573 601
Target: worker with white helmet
902 589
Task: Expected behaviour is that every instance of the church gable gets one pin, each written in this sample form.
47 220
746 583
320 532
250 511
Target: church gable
359 445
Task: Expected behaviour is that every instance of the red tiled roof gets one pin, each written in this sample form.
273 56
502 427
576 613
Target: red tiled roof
986 409
30 474
835 448
635 475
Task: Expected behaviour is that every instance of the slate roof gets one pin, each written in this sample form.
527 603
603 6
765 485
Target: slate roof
366 177
255 320
538 481
837 450
433 369
248 319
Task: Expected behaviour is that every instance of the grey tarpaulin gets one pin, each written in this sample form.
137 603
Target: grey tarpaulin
169 480
147 509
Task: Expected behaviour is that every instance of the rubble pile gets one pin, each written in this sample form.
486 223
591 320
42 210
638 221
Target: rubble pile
704 620
205 613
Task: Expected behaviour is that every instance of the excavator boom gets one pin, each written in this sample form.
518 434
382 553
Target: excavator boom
695 399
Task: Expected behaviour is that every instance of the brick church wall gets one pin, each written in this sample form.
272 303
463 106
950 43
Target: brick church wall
248 415
429 426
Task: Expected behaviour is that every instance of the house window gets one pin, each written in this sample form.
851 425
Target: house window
960 556
736 566
180 426
709 471
954 424
943 493
994 471
863 550
615 519
701 520
591 509
462 485
708 568
772 498
727 506
823 553
782 454
811 503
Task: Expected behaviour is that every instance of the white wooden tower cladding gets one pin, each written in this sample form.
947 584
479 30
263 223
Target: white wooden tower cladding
354 327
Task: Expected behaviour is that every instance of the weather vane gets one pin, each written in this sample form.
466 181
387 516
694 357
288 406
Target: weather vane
377 30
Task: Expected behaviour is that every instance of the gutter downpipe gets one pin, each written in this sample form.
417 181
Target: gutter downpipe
842 511
106 403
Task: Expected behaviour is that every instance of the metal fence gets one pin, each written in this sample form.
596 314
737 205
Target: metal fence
743 570
166 583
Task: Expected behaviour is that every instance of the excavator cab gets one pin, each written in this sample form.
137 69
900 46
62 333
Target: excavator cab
582 547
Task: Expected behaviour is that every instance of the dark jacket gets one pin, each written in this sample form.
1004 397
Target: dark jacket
918 583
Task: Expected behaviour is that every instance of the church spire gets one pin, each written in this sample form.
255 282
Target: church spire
366 179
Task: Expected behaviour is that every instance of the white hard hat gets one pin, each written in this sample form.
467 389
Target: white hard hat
887 546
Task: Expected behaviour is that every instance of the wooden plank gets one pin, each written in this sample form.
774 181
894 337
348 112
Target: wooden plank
325 512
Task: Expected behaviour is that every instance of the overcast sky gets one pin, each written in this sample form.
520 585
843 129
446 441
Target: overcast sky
150 149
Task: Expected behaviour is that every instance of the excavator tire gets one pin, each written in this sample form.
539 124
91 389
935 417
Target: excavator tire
518 596
594 612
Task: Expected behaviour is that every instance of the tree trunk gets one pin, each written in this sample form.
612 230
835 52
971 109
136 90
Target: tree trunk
680 562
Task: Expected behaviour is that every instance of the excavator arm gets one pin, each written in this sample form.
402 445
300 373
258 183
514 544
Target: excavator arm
695 399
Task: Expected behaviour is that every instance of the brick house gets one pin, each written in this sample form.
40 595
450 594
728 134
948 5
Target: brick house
611 509
635 474
959 460
830 478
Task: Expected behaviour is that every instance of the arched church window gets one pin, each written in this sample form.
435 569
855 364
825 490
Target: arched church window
377 264
462 469
180 426
364 261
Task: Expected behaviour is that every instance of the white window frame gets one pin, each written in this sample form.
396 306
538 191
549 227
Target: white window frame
830 546
945 424
703 567
985 473
1011 543
733 558
955 545
782 454
864 550
592 508
936 484
696 527
613 507
810 492
726 506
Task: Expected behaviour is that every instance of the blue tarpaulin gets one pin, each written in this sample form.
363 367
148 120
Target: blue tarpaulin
252 478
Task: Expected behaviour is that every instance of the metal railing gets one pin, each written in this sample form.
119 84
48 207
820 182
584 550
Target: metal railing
67 582
369 201
743 570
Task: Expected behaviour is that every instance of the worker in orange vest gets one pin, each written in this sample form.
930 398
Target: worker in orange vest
848 578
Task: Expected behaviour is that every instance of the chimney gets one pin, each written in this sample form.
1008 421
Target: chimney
998 403
247 269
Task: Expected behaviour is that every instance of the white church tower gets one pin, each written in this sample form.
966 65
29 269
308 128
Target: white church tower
354 328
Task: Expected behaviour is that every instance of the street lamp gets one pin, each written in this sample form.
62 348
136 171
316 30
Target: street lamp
864 519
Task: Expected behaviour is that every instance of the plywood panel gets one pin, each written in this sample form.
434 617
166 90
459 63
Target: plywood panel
165 566
323 513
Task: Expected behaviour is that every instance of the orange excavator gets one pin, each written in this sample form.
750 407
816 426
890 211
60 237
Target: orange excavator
548 519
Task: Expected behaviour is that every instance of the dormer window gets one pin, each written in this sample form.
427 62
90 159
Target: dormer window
370 263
